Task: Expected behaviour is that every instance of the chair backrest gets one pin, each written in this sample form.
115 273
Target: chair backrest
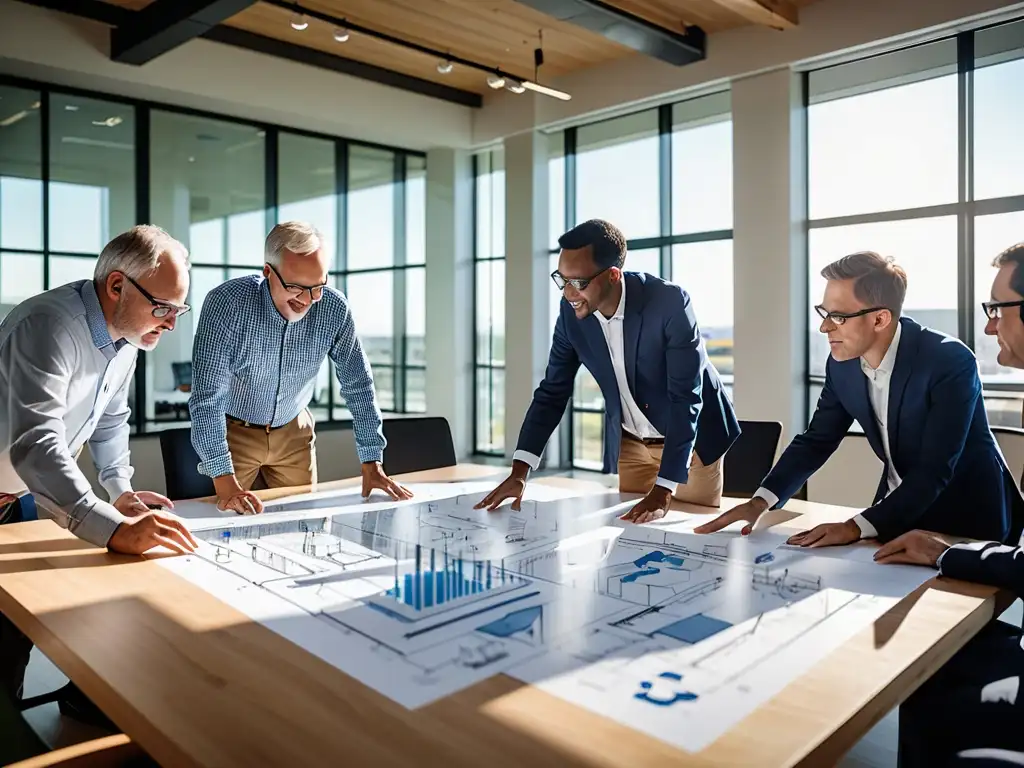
418 444
751 457
182 373
181 466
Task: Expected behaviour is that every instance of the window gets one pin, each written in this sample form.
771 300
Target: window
21 196
886 152
489 309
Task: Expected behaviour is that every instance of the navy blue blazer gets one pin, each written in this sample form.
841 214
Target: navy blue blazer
954 478
667 367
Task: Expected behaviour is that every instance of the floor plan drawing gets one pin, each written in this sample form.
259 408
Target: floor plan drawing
419 599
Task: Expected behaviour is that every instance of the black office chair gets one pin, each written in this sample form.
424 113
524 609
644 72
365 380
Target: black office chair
418 444
751 457
181 466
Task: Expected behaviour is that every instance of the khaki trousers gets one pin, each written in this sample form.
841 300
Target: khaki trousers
638 471
283 457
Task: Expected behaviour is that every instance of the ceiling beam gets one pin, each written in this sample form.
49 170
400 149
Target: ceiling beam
626 29
96 10
778 14
166 24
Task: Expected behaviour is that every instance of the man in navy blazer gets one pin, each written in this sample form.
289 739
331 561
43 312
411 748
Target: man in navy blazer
974 703
917 394
668 420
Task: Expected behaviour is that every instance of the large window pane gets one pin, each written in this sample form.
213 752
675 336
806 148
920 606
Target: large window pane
556 186
992 234
371 296
371 208
490 205
490 410
92 172
1004 409
702 164
202 280
490 312
882 133
925 248
67 269
415 390
998 111
384 386
586 392
21 277
306 184
617 173
587 436
704 270
648 260
415 317
21 170
415 210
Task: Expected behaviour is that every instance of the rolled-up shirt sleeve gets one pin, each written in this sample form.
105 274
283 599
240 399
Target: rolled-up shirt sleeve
37 362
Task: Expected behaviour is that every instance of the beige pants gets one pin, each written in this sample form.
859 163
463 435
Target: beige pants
283 457
638 470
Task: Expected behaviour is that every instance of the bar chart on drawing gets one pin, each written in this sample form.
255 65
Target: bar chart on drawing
643 624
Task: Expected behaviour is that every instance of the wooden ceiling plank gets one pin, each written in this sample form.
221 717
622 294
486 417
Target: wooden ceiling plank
778 14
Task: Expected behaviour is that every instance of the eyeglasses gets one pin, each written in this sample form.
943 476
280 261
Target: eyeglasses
994 309
579 283
316 292
841 317
161 308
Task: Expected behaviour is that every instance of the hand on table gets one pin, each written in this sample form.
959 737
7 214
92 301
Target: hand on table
230 495
134 503
827 535
512 487
651 507
914 548
374 477
143 532
748 512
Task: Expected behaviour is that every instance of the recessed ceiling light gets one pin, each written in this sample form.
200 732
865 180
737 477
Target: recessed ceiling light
496 81
340 34
71 107
444 67
299 22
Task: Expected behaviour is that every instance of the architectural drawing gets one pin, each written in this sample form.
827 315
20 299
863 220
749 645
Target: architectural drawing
422 598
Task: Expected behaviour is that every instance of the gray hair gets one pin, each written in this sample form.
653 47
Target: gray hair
137 253
295 236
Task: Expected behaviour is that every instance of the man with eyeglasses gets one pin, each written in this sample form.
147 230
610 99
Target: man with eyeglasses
259 345
917 394
973 707
66 362
668 421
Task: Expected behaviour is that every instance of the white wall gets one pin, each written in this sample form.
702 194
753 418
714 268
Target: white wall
826 28
58 48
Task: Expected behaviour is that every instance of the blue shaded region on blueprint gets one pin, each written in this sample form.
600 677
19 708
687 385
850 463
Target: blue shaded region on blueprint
694 628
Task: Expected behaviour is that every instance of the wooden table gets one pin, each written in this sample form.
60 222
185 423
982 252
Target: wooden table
196 683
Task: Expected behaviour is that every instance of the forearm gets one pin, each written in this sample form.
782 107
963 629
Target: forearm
998 565
210 439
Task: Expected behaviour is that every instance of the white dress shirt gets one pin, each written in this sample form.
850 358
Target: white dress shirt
878 394
633 419
64 382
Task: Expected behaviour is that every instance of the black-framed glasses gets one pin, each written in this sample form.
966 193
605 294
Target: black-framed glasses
994 309
316 292
579 283
161 308
841 317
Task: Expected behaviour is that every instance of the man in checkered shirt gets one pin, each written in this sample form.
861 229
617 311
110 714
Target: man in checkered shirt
259 346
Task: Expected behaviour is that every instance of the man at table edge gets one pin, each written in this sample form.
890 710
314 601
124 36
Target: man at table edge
917 394
973 704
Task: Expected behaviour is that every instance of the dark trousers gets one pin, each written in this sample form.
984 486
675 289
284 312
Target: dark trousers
15 647
975 701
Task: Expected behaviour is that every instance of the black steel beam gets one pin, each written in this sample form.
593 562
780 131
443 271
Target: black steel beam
165 24
314 58
626 29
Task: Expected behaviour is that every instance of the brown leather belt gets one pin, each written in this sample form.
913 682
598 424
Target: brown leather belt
644 440
249 425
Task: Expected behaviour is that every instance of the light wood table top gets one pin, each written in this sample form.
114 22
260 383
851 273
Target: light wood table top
196 683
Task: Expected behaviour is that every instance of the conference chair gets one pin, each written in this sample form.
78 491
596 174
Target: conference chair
751 457
19 741
181 466
418 444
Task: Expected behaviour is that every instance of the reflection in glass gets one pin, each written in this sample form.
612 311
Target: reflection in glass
925 248
617 173
371 208
21 170
705 271
92 172
992 234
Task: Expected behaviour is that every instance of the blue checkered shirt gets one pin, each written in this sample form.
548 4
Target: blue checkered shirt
249 363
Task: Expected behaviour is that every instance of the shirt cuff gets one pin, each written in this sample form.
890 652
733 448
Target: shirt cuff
370 454
867 530
669 484
764 493
99 524
529 458
938 562
115 486
218 466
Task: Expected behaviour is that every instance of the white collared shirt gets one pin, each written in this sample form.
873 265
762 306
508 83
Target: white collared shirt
878 394
633 419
